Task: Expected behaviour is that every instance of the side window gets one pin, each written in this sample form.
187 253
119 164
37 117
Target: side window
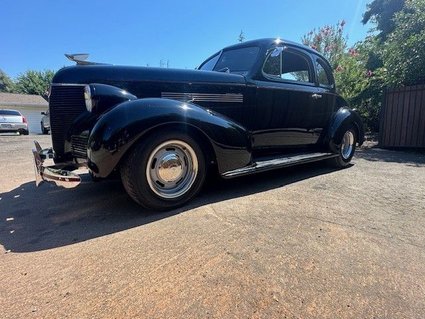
273 65
287 66
323 74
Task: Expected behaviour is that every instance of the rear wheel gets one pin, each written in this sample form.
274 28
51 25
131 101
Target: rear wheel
346 149
23 132
164 171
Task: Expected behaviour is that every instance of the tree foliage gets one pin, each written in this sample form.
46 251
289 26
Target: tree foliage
348 65
34 82
403 53
393 56
6 84
329 41
359 85
381 13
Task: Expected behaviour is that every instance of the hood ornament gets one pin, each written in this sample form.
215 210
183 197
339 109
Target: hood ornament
81 59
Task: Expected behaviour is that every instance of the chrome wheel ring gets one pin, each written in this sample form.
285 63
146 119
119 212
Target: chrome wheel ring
347 145
171 169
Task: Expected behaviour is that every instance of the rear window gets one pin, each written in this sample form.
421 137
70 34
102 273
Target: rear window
9 112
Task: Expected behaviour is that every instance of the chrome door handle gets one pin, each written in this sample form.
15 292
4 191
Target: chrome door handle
316 96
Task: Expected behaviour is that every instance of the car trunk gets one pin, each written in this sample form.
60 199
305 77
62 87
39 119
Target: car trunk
10 118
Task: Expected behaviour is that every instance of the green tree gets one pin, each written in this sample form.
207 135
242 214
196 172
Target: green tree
368 99
396 55
381 13
403 53
392 57
6 84
34 82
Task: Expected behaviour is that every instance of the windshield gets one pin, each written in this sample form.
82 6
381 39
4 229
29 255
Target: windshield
209 65
237 60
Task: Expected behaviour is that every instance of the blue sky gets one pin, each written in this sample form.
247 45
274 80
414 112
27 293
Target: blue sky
36 34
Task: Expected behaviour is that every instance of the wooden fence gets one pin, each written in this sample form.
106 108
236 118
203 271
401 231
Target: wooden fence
403 117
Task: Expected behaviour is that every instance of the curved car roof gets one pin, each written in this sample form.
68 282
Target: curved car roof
267 42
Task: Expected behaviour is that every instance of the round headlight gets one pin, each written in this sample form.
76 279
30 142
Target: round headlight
87 98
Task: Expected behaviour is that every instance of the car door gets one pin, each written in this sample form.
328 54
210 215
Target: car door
283 116
324 101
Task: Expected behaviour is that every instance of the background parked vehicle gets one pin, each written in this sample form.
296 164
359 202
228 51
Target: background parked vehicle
13 121
45 122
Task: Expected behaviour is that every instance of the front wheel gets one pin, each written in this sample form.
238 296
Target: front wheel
346 149
44 130
165 171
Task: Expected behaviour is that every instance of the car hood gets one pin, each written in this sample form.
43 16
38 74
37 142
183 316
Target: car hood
113 75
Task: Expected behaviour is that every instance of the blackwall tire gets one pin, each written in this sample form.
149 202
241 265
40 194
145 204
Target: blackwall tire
346 149
164 171
44 131
23 132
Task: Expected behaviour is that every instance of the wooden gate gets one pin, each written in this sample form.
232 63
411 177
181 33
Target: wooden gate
403 117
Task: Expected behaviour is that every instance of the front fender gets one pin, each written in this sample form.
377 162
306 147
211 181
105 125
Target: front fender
117 130
340 122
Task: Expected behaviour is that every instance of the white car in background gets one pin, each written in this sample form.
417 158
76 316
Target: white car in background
12 121
45 122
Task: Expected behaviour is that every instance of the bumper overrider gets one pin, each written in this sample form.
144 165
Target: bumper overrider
54 174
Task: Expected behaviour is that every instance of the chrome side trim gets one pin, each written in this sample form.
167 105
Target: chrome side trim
274 163
204 97
67 84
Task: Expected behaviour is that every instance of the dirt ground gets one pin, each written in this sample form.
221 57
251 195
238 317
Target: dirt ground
303 242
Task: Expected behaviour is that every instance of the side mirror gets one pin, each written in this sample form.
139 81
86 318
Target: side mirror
43 113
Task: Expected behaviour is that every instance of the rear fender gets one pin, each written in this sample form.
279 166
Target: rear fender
340 122
119 129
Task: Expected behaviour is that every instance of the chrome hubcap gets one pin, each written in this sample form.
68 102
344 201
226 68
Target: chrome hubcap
172 169
347 144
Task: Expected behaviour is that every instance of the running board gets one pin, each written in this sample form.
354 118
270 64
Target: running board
263 165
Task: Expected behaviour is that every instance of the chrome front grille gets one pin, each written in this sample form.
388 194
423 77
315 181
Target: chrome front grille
66 102
79 146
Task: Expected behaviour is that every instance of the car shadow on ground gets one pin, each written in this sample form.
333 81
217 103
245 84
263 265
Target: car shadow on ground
414 158
34 219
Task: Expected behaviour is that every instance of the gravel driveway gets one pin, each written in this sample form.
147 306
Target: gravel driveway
302 242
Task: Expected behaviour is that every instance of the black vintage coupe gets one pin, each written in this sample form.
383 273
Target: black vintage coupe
251 107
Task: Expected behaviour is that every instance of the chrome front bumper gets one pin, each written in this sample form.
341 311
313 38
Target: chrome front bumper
54 173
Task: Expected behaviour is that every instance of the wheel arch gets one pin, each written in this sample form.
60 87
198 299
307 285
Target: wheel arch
341 121
118 130
192 131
